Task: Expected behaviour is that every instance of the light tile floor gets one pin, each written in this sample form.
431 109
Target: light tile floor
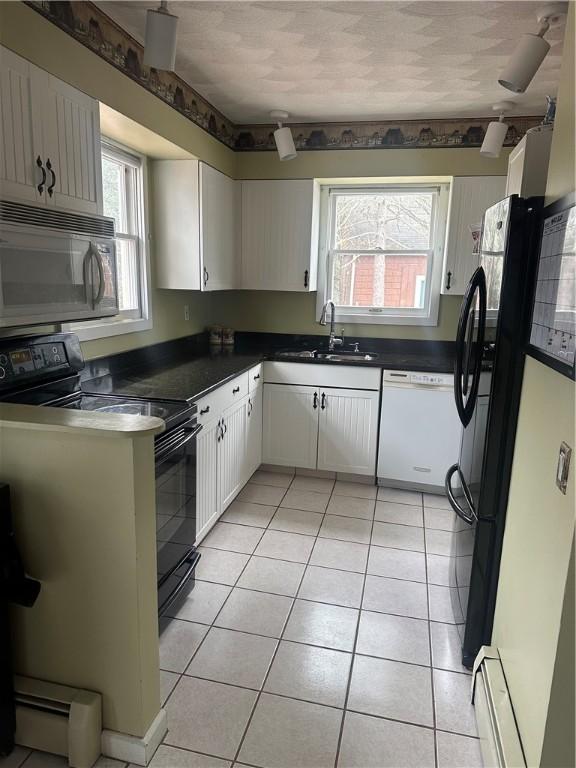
318 634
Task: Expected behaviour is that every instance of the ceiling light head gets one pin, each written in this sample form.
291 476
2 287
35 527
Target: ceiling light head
531 50
283 136
496 132
160 39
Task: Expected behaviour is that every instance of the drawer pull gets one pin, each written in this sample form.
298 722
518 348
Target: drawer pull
257 376
205 410
235 390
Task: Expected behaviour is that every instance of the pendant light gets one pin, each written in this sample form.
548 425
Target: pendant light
160 40
531 50
283 136
496 132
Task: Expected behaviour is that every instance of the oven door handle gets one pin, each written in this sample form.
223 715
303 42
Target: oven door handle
190 433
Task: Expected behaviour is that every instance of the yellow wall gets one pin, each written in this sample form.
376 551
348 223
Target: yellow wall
535 605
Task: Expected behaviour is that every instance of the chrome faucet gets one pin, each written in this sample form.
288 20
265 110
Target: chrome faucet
334 341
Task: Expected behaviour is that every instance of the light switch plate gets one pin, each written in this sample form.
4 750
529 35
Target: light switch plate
563 467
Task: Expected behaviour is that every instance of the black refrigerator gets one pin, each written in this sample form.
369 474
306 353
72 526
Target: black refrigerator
490 343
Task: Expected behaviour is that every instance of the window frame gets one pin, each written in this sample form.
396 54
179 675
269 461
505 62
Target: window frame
127 321
426 316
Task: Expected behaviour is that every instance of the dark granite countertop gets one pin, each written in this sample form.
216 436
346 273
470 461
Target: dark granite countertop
186 370
175 380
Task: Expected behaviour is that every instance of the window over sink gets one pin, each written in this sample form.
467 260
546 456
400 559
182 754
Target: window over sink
381 252
124 200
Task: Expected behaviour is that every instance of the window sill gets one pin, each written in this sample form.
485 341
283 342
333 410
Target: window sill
102 330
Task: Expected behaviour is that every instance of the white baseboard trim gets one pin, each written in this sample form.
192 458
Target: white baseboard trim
135 749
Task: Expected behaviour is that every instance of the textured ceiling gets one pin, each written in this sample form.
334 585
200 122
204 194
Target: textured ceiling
334 61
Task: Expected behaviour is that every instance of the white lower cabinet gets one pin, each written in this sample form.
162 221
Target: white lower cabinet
254 432
207 503
290 436
229 447
232 452
348 431
321 428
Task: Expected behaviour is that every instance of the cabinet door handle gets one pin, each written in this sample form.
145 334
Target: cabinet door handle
448 280
53 184
323 403
206 276
305 278
225 428
205 410
42 184
250 406
219 432
235 390
315 401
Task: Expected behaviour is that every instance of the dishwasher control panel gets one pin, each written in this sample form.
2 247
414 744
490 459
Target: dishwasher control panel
418 378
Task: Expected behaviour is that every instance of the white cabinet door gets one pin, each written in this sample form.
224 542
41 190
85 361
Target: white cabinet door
72 148
219 202
175 208
253 433
347 437
21 142
207 501
232 453
470 196
290 433
279 235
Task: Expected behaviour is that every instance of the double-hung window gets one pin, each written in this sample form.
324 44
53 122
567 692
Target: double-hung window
383 250
123 182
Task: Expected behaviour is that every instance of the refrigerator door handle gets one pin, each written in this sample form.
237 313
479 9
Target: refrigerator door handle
464 338
468 518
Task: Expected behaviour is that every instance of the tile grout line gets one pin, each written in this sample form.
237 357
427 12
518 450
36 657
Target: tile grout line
353 659
430 643
263 685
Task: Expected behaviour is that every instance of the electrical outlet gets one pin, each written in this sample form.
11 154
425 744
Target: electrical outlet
186 312
563 468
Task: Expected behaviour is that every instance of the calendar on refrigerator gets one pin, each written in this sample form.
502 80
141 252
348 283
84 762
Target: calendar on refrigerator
553 331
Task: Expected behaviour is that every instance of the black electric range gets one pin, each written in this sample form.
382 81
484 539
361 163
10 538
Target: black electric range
45 371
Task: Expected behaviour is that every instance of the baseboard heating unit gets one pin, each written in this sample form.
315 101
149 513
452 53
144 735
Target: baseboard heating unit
497 728
56 718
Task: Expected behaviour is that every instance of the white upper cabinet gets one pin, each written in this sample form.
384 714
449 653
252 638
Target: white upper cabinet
20 130
470 196
528 164
280 235
72 148
195 226
219 229
176 231
49 139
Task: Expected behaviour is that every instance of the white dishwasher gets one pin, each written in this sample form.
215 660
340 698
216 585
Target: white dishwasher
420 431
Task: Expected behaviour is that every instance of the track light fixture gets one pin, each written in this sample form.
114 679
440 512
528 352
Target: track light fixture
160 40
283 136
496 132
531 50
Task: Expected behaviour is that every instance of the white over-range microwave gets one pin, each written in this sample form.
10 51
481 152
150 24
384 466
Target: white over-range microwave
55 266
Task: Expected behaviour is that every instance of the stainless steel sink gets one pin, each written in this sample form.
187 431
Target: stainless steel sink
307 353
339 357
347 357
